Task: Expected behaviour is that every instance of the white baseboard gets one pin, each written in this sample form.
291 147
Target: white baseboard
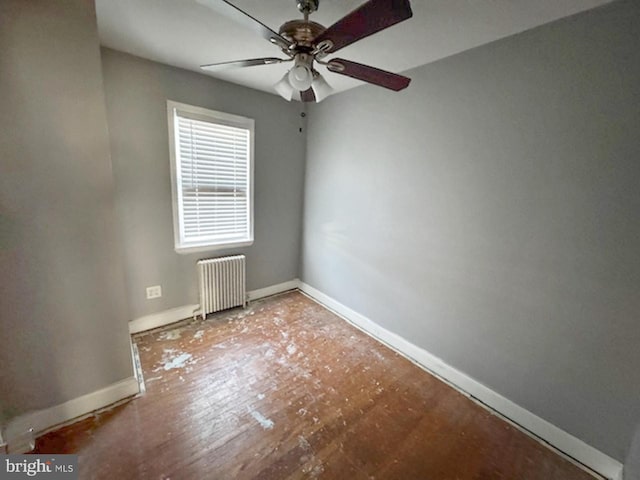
38 422
571 446
160 319
274 289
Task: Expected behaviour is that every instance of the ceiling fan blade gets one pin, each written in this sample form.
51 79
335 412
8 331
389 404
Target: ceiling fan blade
373 75
371 17
234 13
252 62
308 95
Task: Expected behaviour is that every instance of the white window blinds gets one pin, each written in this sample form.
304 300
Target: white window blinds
212 163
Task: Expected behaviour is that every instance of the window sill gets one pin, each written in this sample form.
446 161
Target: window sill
185 250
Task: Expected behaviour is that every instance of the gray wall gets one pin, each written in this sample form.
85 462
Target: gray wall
490 214
137 91
63 322
632 465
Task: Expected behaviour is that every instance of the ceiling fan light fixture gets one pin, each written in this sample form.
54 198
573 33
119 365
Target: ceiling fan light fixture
300 77
306 42
284 88
321 88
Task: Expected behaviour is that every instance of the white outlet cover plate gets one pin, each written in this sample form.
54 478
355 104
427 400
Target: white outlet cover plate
154 292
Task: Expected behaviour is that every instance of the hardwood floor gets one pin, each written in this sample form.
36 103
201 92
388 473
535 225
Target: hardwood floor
287 390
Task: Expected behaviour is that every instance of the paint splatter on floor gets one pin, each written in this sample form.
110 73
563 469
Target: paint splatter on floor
303 443
171 359
264 422
170 335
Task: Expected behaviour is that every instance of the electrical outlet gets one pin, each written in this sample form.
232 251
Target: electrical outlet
154 292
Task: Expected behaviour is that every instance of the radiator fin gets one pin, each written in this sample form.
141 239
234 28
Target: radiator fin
222 283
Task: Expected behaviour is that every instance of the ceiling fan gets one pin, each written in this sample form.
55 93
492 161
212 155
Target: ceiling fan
305 43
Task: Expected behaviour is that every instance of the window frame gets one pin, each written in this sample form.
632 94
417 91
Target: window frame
180 244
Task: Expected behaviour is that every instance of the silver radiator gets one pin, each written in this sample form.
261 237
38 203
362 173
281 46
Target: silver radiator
222 283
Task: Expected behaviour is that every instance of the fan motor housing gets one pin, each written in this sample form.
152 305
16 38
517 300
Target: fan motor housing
301 32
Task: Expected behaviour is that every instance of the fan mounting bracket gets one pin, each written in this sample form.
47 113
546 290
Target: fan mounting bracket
307 6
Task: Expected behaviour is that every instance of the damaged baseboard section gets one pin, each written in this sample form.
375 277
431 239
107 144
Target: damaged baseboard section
19 433
160 319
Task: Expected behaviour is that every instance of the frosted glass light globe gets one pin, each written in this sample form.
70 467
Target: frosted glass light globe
284 88
300 78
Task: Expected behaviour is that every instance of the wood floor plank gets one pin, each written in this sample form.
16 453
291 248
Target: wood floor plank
287 390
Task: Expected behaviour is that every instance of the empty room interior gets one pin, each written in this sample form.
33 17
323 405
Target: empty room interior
288 239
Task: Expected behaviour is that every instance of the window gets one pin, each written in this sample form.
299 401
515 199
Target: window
211 173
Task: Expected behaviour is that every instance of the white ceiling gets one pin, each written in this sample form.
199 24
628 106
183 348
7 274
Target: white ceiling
186 34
